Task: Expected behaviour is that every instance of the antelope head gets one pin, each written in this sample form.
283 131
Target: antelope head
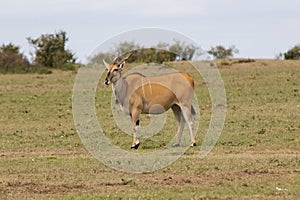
114 70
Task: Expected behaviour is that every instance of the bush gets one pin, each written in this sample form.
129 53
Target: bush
50 50
293 53
248 60
220 52
12 61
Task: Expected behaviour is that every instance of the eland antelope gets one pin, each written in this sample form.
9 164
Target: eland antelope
138 94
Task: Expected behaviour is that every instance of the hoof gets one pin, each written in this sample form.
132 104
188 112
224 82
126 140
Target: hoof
193 144
176 145
135 146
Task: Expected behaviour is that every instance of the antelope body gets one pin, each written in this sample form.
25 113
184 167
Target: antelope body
137 94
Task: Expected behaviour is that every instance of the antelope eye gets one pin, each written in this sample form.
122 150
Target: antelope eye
115 70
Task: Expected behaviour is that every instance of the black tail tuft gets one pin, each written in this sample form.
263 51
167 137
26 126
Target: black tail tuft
193 111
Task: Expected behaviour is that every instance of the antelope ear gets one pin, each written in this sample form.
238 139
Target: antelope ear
121 65
106 64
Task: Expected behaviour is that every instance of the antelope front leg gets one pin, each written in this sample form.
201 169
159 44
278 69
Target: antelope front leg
136 125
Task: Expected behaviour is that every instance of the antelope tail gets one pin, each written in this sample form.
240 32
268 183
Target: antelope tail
193 111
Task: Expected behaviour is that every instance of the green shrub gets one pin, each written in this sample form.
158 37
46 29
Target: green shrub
293 53
50 50
12 61
219 52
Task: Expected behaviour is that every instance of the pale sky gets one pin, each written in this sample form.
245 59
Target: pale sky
258 28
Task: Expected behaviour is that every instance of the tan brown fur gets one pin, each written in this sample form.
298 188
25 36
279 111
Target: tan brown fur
138 94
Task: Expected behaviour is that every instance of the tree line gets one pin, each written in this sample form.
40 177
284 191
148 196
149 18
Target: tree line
50 52
162 52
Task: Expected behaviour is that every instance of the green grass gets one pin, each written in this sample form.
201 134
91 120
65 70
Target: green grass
256 157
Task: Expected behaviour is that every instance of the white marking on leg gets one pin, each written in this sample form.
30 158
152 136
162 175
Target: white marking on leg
137 141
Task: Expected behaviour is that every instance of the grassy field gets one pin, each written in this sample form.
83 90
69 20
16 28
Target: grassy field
256 157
